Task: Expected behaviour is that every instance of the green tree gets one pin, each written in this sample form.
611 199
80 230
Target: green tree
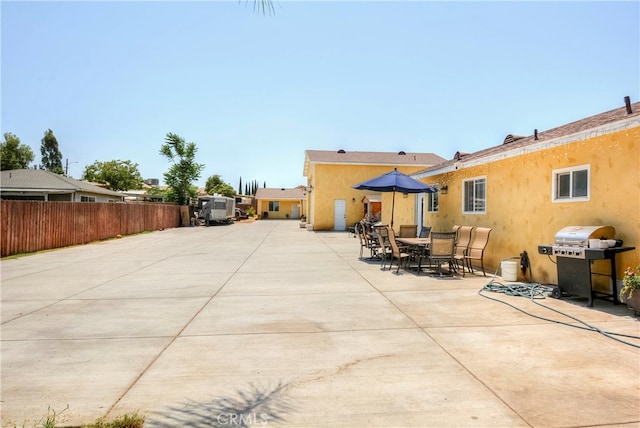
184 169
117 175
51 156
169 194
240 187
14 155
215 184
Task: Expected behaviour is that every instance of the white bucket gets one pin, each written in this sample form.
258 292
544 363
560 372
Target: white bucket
509 270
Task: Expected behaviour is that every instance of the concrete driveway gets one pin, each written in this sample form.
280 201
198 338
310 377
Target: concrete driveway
267 324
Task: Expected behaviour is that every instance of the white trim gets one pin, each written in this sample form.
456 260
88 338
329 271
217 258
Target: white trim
428 207
608 128
464 180
554 176
419 212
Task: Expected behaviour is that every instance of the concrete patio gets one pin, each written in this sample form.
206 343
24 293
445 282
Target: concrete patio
268 324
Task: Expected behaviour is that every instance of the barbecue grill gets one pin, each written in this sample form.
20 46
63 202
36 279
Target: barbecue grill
575 257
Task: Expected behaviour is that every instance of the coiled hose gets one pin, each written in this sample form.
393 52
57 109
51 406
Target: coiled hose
536 292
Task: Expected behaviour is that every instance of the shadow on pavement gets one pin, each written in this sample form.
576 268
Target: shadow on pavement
252 406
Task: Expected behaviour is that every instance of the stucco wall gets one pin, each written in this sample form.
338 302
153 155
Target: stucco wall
403 209
519 204
331 182
284 211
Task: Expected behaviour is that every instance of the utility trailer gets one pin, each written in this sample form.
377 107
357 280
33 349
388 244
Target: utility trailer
216 209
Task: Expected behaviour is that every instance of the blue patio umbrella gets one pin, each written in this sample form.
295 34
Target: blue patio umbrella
395 181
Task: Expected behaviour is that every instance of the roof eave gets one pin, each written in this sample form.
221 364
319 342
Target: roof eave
478 158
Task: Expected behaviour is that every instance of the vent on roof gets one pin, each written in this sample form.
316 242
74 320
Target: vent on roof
459 155
341 151
535 134
511 138
627 104
401 152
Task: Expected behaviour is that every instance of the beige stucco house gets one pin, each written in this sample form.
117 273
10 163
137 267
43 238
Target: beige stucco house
281 203
528 188
333 204
41 185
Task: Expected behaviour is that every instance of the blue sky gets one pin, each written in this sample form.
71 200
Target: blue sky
254 91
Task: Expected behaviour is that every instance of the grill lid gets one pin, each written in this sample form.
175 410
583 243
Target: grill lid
580 235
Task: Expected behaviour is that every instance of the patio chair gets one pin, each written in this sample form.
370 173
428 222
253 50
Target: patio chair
476 249
441 250
359 229
463 239
424 232
408 231
371 241
365 239
396 252
385 246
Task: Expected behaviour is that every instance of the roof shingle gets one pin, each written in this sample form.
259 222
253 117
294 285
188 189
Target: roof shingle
378 158
41 180
581 125
281 194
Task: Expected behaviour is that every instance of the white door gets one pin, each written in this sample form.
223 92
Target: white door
295 211
339 214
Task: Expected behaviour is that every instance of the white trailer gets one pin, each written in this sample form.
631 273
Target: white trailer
213 209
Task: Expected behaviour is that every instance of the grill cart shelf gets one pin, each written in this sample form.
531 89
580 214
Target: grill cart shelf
574 273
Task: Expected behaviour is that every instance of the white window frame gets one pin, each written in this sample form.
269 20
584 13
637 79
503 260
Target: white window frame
556 173
432 201
482 178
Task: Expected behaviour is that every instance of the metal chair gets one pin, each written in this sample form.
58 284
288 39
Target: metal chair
463 239
441 250
360 232
424 232
396 252
385 246
366 240
371 239
408 231
477 247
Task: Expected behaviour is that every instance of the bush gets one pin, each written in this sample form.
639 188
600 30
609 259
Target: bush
125 421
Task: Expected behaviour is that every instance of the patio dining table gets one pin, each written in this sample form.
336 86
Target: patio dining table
420 246
415 242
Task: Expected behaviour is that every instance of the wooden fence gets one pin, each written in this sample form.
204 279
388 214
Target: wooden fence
28 226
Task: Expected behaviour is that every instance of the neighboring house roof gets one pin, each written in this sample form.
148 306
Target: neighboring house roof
281 194
516 144
369 158
38 180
